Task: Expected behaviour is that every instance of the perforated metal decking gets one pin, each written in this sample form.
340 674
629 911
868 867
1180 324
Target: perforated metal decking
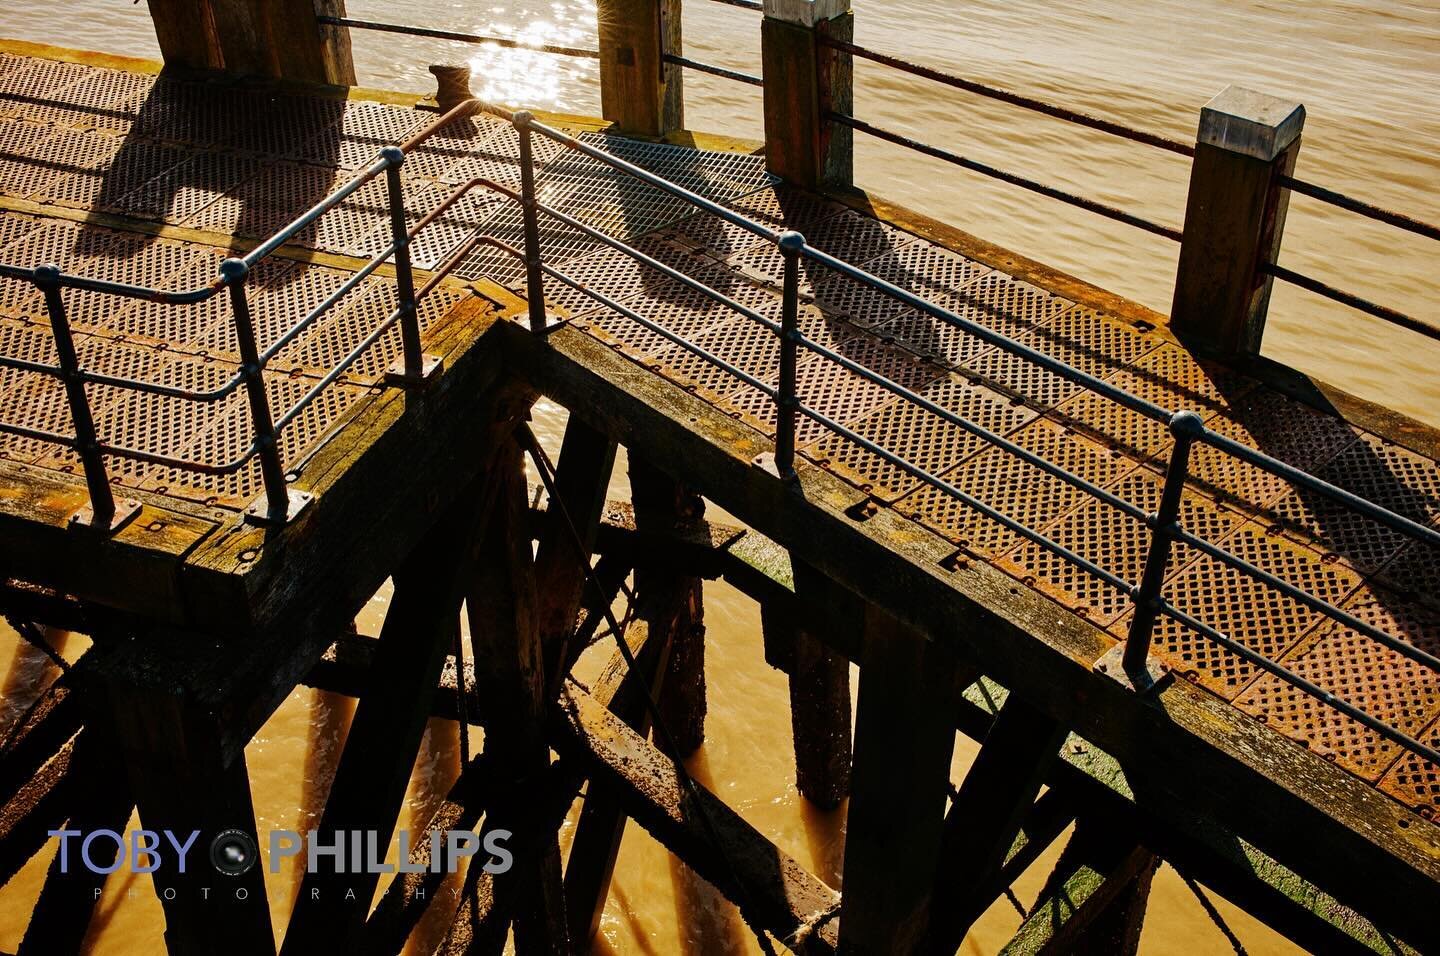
76 141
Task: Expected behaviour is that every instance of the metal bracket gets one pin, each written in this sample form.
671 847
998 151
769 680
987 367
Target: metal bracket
1111 664
430 366
259 512
765 461
125 511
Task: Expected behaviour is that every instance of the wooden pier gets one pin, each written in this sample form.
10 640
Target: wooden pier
206 615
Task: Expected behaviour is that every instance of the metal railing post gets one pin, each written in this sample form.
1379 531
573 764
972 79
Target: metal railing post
87 445
787 402
534 280
1186 427
275 506
413 366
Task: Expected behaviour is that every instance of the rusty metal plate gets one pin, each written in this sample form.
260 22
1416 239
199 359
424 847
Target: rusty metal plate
1201 385
102 99
231 432
493 152
79 161
930 271
119 257
1114 541
183 327
1381 682
1415 570
1014 487
106 186
1415 781
740 341
1278 426
277 124
1384 473
836 392
280 295
323 347
559 244
34 79
779 208
849 236
28 398
918 436
717 175
194 114
354 137
178 194
1245 610
1006 305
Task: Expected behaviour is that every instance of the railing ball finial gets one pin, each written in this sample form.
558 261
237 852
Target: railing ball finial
48 274
791 241
394 156
233 270
522 118
1187 424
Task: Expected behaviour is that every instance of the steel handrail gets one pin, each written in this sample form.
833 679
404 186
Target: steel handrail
1187 429
232 276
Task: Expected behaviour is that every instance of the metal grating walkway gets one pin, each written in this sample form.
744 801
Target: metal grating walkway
80 141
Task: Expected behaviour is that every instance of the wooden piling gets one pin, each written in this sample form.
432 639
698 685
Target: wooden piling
662 505
904 737
502 604
256 38
639 92
1234 220
987 814
804 79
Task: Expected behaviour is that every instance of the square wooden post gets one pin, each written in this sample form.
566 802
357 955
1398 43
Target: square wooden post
805 79
1234 219
275 38
639 92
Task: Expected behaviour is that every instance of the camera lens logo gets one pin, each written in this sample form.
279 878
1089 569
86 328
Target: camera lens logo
233 852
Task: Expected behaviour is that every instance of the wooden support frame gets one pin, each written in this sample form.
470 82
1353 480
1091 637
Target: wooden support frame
271 38
904 739
502 604
988 813
662 505
639 92
582 476
375 766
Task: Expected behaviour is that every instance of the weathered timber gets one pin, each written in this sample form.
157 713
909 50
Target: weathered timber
1089 782
805 79
62 913
987 814
904 739
175 762
601 827
819 679
582 475
375 766
662 505
1180 745
1097 867
39 733
255 38
639 92
186 33
502 605
41 804
1234 219
788 901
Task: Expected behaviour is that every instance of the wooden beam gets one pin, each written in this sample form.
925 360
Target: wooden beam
663 505
1098 867
904 739
639 92
375 767
987 814
1181 747
786 900
502 603
185 30
173 758
582 476
601 827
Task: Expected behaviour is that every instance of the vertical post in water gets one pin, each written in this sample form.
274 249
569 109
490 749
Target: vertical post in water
534 279
256 38
1234 220
805 79
787 402
87 445
274 507
639 92
1186 427
413 366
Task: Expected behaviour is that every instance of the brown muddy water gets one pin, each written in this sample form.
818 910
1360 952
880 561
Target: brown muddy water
1368 74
